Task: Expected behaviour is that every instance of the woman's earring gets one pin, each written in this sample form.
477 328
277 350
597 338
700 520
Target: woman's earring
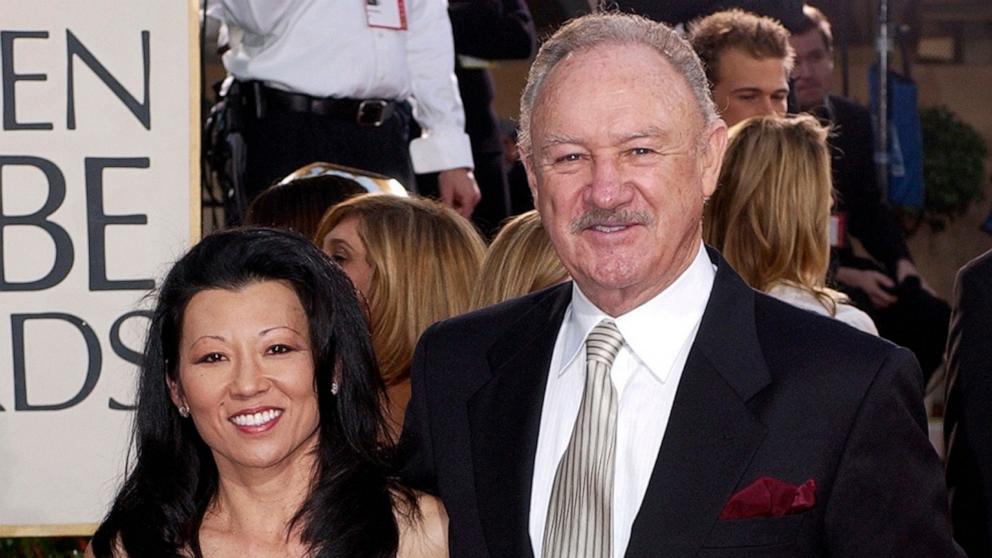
334 388
184 410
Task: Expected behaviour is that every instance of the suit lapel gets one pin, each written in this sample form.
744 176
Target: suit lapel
711 434
505 417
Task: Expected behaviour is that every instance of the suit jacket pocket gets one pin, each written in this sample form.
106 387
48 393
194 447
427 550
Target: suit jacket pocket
756 532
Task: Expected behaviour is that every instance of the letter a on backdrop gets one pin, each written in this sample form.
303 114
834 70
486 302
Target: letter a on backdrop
99 194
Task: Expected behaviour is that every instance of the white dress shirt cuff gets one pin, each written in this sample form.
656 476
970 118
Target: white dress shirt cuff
439 150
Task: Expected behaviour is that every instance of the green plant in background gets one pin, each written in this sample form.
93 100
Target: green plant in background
42 547
953 166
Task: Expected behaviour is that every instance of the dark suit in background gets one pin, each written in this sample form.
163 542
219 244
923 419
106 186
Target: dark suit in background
488 30
868 218
767 390
918 320
968 417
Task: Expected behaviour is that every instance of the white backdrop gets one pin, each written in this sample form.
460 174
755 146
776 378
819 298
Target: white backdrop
98 195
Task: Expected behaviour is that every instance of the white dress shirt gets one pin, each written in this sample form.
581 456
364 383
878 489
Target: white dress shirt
646 373
325 48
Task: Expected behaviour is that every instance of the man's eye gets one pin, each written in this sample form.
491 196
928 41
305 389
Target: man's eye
569 158
642 151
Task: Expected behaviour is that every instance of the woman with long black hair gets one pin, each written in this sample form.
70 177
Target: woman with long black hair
259 429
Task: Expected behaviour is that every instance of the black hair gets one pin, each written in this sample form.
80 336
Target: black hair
349 511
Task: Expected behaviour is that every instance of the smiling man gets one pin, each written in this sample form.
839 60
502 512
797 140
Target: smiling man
747 58
656 405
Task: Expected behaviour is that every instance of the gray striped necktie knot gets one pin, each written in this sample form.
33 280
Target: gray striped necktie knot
580 512
603 343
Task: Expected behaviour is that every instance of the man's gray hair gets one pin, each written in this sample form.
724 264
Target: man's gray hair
598 29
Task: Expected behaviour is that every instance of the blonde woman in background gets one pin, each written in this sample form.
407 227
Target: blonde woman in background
415 261
770 214
520 260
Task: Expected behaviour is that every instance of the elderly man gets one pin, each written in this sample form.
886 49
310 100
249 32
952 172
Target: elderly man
657 406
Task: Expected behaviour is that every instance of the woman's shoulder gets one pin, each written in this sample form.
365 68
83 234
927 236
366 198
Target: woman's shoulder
806 299
797 296
855 317
850 314
423 531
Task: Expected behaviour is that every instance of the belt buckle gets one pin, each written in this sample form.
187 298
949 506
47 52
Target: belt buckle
371 112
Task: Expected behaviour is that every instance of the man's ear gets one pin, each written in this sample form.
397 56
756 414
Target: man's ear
525 158
712 158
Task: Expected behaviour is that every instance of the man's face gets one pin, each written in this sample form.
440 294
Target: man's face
813 70
748 86
619 167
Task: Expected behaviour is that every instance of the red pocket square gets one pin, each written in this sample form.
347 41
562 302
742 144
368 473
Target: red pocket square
768 497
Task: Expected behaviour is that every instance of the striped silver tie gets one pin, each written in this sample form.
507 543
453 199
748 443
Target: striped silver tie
580 513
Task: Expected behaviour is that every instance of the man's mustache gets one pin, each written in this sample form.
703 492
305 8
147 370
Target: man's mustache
599 216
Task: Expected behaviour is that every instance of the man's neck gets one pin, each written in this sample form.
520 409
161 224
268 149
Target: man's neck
617 302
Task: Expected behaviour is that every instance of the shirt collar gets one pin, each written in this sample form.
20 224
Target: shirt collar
654 331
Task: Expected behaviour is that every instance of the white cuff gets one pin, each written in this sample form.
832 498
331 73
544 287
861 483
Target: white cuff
440 150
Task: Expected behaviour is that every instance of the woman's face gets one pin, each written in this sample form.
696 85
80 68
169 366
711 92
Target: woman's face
346 248
246 372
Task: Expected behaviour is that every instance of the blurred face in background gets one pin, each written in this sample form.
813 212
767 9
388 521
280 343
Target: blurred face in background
813 70
749 86
344 245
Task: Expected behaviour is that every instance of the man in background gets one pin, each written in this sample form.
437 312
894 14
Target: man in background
485 30
888 286
747 58
336 81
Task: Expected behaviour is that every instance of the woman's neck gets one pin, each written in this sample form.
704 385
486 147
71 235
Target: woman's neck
259 502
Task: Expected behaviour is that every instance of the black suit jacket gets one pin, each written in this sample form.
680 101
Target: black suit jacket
869 218
968 418
767 390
